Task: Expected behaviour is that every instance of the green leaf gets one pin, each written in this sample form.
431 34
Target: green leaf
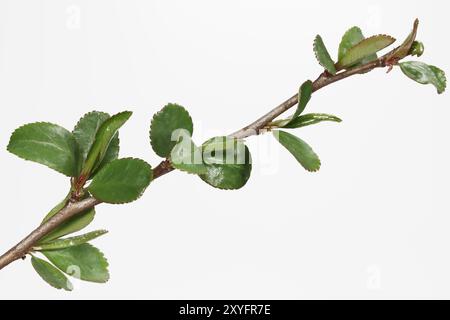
85 132
69 242
228 163
304 154
417 49
84 262
121 181
304 95
47 144
364 49
352 37
425 74
74 224
112 153
186 156
323 56
50 274
57 208
310 119
164 124
105 134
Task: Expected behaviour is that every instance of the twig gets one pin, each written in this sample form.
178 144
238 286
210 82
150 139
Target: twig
24 246
72 209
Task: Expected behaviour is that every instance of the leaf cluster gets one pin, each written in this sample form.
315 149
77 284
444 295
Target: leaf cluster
89 154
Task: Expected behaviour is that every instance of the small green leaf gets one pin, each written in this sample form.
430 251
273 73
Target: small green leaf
57 208
352 37
304 95
74 224
323 56
47 144
186 156
164 124
417 49
299 149
105 134
112 153
364 49
310 119
121 181
425 74
86 129
85 132
84 262
228 163
50 274
69 242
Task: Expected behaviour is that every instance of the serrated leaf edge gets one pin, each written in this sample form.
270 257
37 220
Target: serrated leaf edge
329 118
345 35
101 254
250 173
157 114
86 115
275 134
228 189
440 75
326 51
28 159
142 192
70 285
41 246
359 44
105 261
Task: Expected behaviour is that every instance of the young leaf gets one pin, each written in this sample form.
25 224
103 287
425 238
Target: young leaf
323 56
228 163
103 138
86 129
112 153
50 274
364 49
304 95
299 149
69 242
74 224
425 74
164 124
417 49
186 156
310 119
85 132
47 144
84 262
352 37
57 208
404 49
121 181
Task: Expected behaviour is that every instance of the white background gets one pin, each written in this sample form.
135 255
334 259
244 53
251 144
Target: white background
373 223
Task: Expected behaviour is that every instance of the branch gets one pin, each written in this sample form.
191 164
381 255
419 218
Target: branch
74 208
24 246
